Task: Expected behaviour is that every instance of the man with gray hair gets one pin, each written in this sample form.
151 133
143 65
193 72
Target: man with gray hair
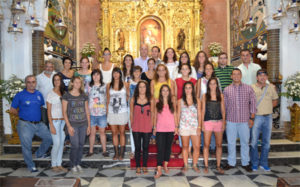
29 102
143 59
44 85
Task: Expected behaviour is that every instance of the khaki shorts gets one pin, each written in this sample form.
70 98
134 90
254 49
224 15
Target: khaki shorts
188 132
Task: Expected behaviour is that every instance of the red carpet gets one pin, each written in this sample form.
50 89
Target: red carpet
174 162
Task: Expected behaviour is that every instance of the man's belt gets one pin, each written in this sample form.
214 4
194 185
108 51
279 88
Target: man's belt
33 122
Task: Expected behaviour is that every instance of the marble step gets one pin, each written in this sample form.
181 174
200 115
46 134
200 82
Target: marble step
276 145
98 161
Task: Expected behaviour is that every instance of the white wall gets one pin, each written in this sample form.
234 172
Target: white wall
16 51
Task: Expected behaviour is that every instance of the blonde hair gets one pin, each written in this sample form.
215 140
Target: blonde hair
71 85
156 72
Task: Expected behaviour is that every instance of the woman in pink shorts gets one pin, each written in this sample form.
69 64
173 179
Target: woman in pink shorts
213 120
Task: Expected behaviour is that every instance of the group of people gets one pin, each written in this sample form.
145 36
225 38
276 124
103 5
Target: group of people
158 99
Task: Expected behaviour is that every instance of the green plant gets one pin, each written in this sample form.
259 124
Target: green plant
88 50
9 88
292 86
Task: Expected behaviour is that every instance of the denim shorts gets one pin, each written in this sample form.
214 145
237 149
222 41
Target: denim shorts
99 121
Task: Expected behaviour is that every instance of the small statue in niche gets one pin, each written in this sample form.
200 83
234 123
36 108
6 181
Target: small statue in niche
121 39
181 40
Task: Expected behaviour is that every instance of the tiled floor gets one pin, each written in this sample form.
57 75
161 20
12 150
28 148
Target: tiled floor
126 177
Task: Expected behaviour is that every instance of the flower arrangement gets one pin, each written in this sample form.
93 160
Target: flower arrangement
292 85
215 48
9 88
88 50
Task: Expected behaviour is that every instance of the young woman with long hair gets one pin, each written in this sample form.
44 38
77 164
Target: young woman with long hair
97 105
149 74
170 60
184 59
84 72
213 120
127 68
165 127
200 60
67 72
56 122
117 115
106 66
141 123
76 114
189 119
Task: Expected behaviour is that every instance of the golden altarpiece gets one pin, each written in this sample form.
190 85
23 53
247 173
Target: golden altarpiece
124 25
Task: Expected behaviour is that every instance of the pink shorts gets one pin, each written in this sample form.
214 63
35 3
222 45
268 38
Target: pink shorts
215 126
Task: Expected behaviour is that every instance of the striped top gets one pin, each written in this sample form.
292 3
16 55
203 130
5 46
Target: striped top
224 75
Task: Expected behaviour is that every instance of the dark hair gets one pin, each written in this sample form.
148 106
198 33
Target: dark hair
261 71
106 49
160 104
188 65
137 92
156 48
236 69
124 65
245 50
222 53
118 70
67 58
150 60
218 92
193 93
188 62
61 86
197 63
213 73
165 59
135 68
96 71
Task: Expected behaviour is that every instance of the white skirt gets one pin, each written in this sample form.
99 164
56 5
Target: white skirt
117 119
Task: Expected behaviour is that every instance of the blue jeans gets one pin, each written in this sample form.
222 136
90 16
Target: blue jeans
262 124
58 143
26 131
241 130
77 143
212 144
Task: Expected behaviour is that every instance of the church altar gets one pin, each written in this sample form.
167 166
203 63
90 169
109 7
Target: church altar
124 25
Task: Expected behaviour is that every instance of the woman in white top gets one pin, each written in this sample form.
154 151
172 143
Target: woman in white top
170 60
127 68
117 116
184 59
106 66
56 122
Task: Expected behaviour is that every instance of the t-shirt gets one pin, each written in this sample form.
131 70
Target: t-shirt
265 106
76 109
249 74
55 101
44 84
29 105
180 82
97 100
224 75
142 63
132 87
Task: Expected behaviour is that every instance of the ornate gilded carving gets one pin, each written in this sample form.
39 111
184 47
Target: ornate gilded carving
180 26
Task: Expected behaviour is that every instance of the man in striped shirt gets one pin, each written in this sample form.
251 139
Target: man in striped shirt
223 71
240 105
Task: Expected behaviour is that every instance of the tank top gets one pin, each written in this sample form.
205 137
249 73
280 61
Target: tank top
106 74
157 86
188 116
117 101
212 111
141 118
145 78
165 120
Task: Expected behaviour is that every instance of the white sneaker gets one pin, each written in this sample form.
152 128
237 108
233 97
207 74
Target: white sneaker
79 168
74 170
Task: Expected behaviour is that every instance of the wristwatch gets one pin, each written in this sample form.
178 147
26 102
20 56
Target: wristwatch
251 119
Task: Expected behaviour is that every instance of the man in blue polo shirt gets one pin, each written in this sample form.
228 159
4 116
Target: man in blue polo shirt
29 102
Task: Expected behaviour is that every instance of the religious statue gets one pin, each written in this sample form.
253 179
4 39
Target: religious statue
121 39
181 40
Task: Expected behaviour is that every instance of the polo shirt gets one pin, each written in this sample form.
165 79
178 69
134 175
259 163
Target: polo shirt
266 105
249 74
224 75
29 105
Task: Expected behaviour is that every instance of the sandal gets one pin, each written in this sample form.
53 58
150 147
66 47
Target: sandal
206 169
185 168
145 170
196 169
166 167
158 174
105 154
138 171
220 170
